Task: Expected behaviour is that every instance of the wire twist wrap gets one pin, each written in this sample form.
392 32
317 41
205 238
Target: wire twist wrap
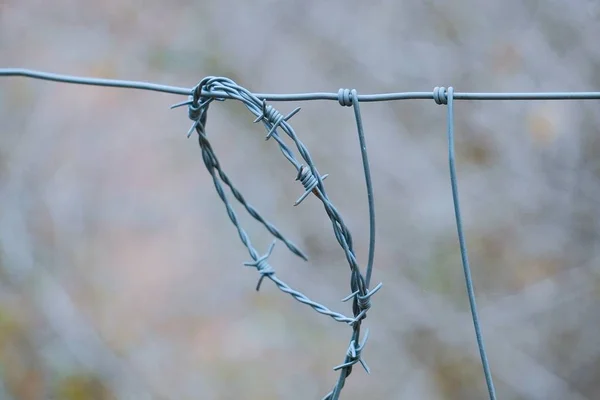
345 97
439 95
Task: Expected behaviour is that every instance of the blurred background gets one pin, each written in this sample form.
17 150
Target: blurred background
122 277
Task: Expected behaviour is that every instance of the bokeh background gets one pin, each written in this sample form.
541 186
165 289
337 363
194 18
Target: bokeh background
122 277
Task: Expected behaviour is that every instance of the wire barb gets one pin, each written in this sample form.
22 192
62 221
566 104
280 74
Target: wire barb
274 117
363 301
262 265
310 183
353 355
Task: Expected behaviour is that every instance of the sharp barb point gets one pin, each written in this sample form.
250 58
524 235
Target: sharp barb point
294 112
194 125
183 103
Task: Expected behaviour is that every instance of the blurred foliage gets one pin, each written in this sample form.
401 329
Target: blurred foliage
443 273
82 387
20 364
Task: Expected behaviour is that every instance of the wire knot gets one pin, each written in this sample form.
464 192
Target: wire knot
197 107
194 110
353 355
345 97
275 118
440 96
309 181
262 265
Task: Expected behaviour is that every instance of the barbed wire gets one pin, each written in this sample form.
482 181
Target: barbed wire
212 88
307 173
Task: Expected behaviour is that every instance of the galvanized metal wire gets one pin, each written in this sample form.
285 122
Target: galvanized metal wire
212 89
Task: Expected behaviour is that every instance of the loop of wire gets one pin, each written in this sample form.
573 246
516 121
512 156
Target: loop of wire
308 175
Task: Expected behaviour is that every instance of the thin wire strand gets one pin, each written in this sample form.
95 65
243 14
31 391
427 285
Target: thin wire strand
369 184
463 246
365 98
48 76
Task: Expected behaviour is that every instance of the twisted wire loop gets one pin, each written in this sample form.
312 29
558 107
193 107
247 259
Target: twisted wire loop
442 95
197 111
219 88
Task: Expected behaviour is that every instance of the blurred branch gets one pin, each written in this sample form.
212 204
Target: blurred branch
79 337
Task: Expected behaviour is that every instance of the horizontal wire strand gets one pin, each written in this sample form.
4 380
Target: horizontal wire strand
365 98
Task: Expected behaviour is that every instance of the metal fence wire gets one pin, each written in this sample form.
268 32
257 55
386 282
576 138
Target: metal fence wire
212 88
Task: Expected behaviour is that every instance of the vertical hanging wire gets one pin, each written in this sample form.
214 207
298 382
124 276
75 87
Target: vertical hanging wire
360 285
367 171
463 246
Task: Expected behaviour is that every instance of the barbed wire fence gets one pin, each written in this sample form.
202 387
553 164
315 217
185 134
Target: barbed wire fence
212 89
